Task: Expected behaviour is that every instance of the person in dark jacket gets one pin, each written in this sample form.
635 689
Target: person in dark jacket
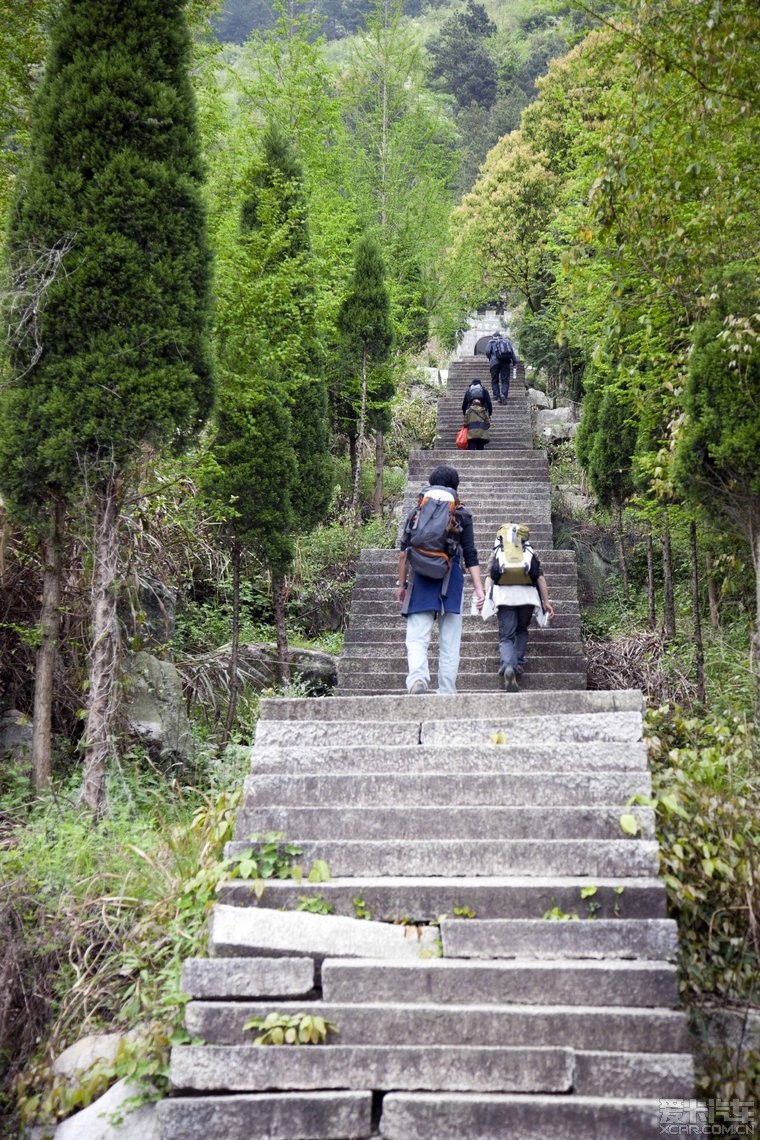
424 599
501 360
476 391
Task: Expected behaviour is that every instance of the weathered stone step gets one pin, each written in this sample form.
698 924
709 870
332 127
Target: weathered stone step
589 757
409 789
464 1068
468 683
444 823
528 729
420 900
477 646
644 984
553 709
623 1029
489 857
427 1116
267 1116
384 560
570 938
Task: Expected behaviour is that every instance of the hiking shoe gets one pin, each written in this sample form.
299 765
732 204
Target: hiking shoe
509 684
502 399
418 688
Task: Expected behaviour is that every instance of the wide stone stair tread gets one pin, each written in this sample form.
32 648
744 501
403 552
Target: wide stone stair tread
492 946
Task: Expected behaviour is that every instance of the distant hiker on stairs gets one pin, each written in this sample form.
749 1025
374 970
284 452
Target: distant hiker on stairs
502 358
477 410
438 532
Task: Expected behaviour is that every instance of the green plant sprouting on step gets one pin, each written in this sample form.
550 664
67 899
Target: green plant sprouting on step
556 914
617 909
464 912
291 1029
315 904
592 904
271 857
629 824
360 908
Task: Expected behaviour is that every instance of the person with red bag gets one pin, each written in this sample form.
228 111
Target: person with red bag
477 410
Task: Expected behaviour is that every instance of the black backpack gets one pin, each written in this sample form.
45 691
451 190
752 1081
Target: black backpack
476 391
434 529
504 350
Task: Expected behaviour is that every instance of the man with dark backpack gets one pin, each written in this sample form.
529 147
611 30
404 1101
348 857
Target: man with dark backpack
477 410
438 533
501 360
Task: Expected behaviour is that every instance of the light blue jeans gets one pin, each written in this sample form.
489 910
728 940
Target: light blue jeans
418 630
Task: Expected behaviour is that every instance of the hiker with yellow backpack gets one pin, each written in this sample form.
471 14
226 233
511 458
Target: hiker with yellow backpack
516 589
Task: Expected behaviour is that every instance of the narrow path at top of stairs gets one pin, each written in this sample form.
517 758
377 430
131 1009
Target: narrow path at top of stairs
493 949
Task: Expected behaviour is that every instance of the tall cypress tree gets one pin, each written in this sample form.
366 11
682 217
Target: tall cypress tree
271 474
364 322
111 279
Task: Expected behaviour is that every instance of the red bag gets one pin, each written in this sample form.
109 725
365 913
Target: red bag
462 438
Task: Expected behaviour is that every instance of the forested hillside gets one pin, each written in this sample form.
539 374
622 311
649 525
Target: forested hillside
237 244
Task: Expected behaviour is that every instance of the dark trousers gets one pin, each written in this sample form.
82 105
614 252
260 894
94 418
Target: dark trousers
513 635
476 444
501 371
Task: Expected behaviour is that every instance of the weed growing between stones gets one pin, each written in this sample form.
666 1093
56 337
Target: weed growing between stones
291 1029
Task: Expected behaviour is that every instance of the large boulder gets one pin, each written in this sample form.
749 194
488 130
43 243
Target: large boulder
555 425
147 613
155 709
15 737
539 399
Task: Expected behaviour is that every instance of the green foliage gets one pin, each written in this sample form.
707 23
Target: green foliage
556 914
109 265
706 794
464 912
361 910
315 904
291 1029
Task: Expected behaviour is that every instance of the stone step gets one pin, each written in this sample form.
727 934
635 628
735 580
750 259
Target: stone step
466 683
373 858
267 1116
410 789
478 644
644 984
419 900
527 730
443 823
386 604
589 757
463 1068
428 1116
623 1029
570 938
384 560
568 625
597 705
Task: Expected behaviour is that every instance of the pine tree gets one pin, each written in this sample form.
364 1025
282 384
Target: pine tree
110 269
272 472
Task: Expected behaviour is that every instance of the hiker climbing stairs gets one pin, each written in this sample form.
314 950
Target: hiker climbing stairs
491 947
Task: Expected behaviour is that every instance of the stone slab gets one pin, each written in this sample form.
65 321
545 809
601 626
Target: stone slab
610 1074
267 1116
655 939
247 977
526 981
592 857
592 756
241 931
422 899
427 1116
244 1068
404 788
622 1028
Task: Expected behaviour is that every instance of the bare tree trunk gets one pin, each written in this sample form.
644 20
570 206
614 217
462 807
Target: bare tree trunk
353 457
360 440
651 596
235 646
47 653
712 593
699 648
755 639
104 653
278 599
621 549
377 502
669 604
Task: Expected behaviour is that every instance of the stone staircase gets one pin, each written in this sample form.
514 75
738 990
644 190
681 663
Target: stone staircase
492 948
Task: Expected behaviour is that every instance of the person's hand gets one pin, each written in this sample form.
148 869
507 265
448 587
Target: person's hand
549 609
400 594
479 598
